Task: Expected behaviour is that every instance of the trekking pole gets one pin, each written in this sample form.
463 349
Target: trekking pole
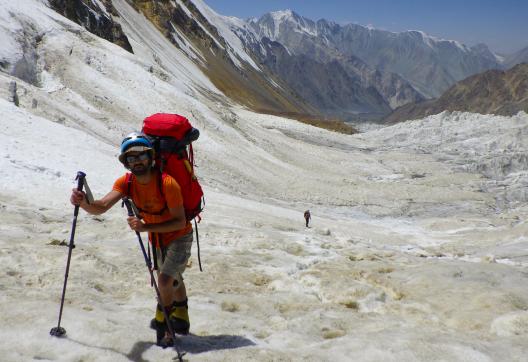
198 245
128 203
59 331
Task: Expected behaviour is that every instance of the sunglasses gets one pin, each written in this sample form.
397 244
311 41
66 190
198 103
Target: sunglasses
137 158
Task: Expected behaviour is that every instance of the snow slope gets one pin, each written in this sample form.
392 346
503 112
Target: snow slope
416 252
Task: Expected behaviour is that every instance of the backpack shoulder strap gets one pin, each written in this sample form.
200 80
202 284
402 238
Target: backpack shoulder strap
128 181
162 178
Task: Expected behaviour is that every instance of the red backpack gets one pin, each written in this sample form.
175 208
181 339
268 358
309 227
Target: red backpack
172 136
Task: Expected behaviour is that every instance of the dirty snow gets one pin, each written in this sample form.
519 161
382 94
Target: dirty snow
416 250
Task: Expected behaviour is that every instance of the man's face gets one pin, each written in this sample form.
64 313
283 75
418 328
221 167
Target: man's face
138 162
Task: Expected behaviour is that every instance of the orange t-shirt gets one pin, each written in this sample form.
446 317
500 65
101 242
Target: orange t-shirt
148 199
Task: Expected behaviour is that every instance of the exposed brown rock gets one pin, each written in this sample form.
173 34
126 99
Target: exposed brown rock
491 92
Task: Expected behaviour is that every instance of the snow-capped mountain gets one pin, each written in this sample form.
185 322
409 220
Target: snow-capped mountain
431 65
256 73
342 86
345 90
287 64
213 42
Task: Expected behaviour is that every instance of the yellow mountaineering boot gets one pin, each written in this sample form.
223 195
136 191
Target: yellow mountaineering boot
179 317
158 324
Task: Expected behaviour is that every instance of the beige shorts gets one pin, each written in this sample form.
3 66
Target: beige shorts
177 254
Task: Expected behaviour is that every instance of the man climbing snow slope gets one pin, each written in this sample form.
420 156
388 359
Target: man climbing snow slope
159 201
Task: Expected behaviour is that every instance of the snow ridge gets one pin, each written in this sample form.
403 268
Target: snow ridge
227 27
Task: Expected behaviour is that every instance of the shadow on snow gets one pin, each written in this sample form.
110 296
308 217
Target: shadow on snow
191 344
199 344
194 344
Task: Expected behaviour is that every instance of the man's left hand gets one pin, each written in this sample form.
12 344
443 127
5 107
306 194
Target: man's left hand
136 224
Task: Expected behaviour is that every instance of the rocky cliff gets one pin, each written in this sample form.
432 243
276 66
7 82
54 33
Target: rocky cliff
96 17
491 92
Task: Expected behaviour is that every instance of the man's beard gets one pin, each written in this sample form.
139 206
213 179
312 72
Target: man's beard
140 170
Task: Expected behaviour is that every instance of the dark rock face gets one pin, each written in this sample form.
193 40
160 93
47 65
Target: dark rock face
26 67
94 19
189 26
490 92
13 95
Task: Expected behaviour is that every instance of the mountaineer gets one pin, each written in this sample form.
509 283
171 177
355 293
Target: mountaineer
307 217
159 200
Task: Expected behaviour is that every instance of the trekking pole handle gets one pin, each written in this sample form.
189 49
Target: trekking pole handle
130 209
135 211
128 204
80 183
80 180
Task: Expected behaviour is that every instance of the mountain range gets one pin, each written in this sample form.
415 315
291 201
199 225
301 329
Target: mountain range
283 63
427 63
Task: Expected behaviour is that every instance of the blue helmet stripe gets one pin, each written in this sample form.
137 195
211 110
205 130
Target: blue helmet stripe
138 141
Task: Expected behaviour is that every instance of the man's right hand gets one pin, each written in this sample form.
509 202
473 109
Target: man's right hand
77 197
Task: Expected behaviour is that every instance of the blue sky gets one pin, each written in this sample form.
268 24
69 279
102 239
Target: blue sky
500 24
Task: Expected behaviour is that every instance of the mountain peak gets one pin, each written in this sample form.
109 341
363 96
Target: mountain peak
484 51
281 15
286 16
271 24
